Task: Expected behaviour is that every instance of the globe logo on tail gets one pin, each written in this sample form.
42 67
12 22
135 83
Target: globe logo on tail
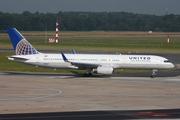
25 48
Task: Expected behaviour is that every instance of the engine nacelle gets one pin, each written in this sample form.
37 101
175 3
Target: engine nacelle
106 70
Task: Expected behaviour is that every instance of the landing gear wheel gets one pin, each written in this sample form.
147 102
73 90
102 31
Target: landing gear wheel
153 73
152 76
88 72
87 75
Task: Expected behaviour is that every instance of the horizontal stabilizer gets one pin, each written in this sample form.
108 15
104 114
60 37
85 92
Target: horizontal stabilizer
17 58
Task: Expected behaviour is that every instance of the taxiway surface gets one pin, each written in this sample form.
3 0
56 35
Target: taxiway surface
23 92
114 96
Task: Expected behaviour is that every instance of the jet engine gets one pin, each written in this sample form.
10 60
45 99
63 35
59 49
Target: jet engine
106 70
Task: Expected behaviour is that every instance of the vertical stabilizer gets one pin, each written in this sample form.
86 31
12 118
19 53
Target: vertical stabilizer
20 44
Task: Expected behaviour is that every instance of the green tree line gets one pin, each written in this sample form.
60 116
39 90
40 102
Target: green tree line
88 21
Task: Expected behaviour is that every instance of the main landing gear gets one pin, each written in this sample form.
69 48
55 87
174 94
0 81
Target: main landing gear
87 75
153 73
88 72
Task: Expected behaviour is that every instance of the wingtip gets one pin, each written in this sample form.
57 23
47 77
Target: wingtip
64 57
73 51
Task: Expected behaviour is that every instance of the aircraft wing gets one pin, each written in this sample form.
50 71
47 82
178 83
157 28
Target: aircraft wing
80 64
86 65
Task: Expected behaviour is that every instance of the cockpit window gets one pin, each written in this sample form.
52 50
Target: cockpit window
166 61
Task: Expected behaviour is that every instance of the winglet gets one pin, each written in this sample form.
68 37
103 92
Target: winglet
64 57
73 51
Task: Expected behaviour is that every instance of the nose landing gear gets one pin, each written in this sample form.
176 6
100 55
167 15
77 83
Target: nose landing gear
153 73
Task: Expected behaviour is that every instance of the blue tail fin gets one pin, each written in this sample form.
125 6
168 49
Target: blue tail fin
20 44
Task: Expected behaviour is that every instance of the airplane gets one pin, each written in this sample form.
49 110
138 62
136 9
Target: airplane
104 64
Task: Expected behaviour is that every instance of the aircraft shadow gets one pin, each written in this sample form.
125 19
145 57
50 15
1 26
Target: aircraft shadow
170 73
72 74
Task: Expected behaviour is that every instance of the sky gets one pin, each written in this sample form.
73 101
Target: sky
153 7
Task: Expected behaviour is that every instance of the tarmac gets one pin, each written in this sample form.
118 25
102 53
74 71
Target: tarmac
32 95
29 92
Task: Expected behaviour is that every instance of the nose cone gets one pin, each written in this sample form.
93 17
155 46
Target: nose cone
171 66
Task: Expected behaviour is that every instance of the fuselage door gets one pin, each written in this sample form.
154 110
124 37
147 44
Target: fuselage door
37 59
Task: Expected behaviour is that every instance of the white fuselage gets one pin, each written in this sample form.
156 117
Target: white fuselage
116 61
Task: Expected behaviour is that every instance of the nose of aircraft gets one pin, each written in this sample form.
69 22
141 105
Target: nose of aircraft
171 65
